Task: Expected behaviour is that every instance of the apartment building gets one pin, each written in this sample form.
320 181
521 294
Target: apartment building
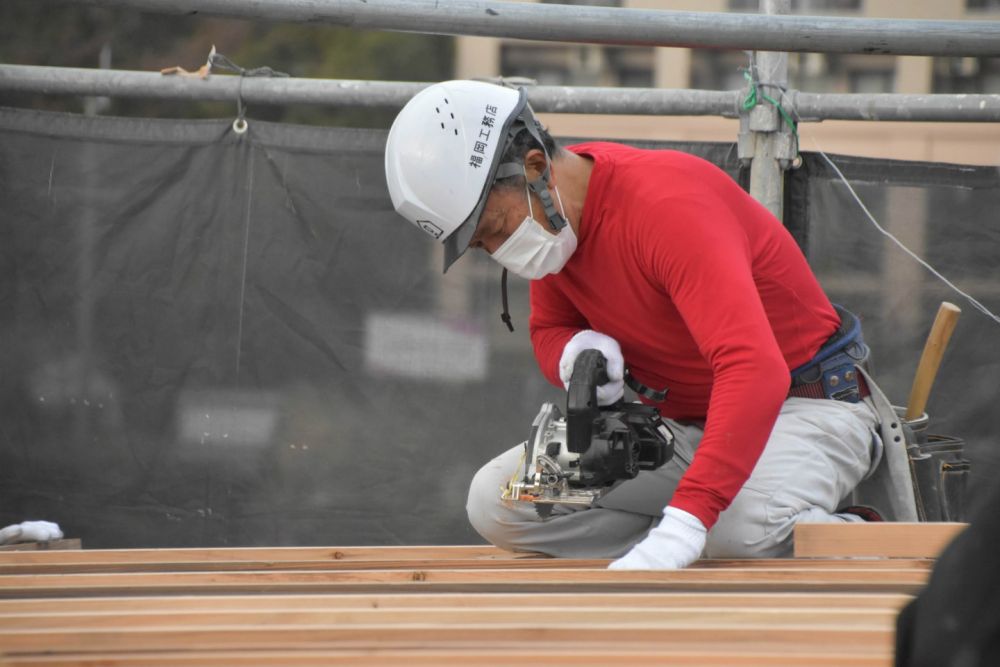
551 63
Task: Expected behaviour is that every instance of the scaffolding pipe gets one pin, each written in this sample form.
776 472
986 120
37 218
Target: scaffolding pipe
610 25
547 99
808 107
347 93
215 87
773 150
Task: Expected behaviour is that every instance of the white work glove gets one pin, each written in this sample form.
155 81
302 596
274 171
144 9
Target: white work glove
675 543
30 531
586 340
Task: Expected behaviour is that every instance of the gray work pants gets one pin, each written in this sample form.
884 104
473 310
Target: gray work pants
817 453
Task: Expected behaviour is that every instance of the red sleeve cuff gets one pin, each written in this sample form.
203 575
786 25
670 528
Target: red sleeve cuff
706 515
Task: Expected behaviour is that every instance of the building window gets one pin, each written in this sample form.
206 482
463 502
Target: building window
587 3
982 5
718 70
630 67
809 72
871 81
803 6
578 65
966 75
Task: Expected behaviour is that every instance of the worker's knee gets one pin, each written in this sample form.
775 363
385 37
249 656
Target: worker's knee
759 525
754 526
487 513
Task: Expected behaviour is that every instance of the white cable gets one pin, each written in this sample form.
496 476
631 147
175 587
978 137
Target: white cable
975 304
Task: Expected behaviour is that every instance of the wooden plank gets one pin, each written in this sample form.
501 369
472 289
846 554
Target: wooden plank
817 611
395 600
709 656
455 617
569 657
871 563
308 565
167 565
269 554
544 601
401 605
876 539
498 580
43 547
541 632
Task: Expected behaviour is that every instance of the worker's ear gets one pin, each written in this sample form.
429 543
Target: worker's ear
534 164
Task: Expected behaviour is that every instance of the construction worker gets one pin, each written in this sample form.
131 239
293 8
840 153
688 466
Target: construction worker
660 261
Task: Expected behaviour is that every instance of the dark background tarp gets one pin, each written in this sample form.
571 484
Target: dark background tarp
217 339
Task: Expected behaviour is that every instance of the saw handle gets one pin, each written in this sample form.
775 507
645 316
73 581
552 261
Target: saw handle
590 370
930 359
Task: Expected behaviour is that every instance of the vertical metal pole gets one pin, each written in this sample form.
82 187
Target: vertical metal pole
769 135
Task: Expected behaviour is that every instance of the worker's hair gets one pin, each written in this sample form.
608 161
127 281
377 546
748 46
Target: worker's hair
519 147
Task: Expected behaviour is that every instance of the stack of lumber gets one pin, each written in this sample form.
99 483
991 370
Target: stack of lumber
835 603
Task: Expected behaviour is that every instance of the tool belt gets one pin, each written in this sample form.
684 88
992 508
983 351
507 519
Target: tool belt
832 373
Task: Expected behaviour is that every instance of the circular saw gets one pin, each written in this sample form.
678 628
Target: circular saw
575 458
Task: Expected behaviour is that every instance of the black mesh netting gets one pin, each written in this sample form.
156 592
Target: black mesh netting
217 339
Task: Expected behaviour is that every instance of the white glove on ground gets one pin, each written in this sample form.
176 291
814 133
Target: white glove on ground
30 531
675 543
608 346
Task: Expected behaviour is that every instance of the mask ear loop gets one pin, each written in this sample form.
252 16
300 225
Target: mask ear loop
562 209
527 192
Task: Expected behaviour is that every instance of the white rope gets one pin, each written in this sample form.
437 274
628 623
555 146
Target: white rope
975 303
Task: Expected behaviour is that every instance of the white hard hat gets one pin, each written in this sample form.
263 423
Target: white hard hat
443 153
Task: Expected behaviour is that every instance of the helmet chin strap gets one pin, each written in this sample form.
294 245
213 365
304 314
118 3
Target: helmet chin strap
556 221
505 315
540 186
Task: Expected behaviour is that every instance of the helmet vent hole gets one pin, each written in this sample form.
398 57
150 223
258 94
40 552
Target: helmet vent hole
446 100
442 126
456 132
436 109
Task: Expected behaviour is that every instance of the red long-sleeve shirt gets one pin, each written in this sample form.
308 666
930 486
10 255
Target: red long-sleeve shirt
705 291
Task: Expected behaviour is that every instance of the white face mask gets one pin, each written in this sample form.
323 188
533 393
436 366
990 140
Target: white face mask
533 253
